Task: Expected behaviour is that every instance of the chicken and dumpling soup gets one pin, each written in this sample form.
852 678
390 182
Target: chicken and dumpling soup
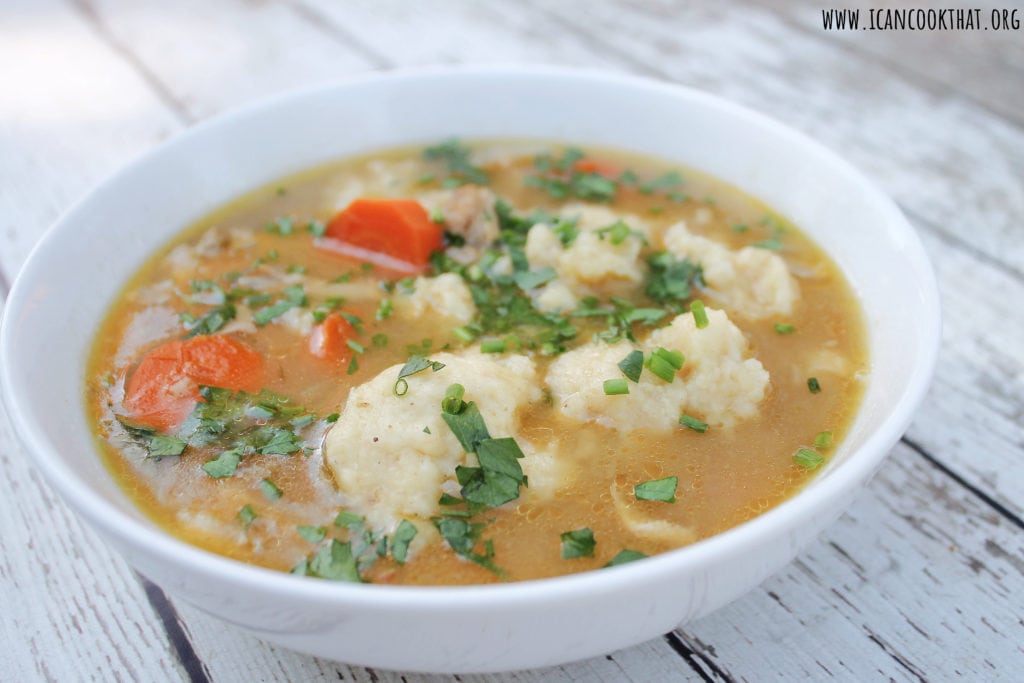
475 363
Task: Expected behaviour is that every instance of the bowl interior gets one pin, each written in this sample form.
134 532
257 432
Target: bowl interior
82 263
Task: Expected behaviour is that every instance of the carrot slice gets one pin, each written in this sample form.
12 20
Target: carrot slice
164 388
400 229
328 340
588 165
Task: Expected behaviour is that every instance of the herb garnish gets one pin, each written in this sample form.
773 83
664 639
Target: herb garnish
661 490
625 556
632 365
293 296
578 543
808 458
671 280
456 160
813 385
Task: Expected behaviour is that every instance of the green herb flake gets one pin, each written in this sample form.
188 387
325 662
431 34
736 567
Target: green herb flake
404 533
212 321
616 387
784 328
661 490
823 440
528 280
457 161
247 515
332 418
452 402
625 556
348 519
161 445
336 562
384 309
316 228
632 365
813 385
671 280
313 534
700 316
693 423
270 489
578 543
492 346
808 458
772 244
224 465
468 426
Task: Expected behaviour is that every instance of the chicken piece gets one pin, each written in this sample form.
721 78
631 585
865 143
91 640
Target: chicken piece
469 212
753 282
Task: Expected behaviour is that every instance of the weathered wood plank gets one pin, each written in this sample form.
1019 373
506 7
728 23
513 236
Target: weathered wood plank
79 113
941 155
918 580
213 56
963 60
72 609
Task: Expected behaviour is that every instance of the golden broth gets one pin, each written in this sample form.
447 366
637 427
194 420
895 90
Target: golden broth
725 476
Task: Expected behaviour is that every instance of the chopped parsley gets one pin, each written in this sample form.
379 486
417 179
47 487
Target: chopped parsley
294 296
211 321
404 533
671 280
823 440
578 543
457 162
626 556
661 490
813 385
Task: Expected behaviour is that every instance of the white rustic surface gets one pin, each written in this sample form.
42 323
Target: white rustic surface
921 579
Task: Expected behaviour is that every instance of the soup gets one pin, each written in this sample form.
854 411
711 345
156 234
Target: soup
469 364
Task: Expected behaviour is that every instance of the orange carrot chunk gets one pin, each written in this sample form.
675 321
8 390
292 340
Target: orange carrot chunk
589 165
398 228
329 339
164 388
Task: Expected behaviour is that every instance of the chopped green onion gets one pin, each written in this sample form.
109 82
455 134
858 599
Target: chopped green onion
247 515
632 365
823 440
313 534
693 423
380 340
332 418
664 363
700 316
492 346
813 385
384 309
317 228
452 402
616 387
353 366
784 328
437 216
464 334
808 459
355 346
401 387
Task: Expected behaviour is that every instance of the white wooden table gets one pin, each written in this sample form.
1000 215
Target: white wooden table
922 578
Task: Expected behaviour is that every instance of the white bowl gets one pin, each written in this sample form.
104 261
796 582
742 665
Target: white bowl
84 260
